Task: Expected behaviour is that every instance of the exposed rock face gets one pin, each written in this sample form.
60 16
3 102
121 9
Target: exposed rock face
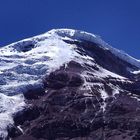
78 103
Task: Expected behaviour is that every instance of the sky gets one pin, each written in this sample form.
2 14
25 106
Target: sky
116 21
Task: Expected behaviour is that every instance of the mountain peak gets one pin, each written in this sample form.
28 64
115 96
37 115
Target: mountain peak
82 35
75 72
79 35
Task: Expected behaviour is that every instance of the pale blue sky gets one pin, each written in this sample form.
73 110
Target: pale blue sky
116 21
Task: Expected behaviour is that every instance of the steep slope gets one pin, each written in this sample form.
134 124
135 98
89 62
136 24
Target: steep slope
68 84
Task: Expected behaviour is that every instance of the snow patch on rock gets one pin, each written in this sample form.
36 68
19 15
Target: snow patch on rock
82 35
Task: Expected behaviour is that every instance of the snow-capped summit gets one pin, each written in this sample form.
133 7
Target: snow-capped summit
64 61
63 34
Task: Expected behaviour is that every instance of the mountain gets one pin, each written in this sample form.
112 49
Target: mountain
68 85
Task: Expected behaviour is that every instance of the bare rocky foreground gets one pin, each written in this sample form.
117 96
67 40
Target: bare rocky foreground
77 103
